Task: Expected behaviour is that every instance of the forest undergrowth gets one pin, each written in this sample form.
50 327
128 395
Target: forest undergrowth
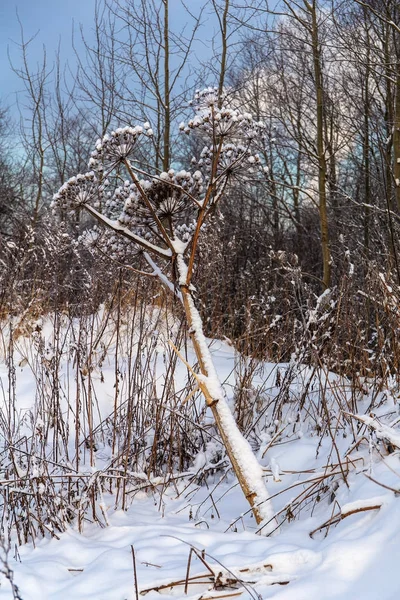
115 407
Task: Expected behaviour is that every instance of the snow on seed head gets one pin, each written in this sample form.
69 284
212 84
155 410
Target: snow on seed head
117 146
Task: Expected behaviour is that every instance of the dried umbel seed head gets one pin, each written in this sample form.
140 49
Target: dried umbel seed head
171 195
185 231
117 146
172 198
215 118
235 161
208 97
78 191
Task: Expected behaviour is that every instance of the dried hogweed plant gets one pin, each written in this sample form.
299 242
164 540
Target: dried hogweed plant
161 217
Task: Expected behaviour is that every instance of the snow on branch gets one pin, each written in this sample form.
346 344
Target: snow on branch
382 432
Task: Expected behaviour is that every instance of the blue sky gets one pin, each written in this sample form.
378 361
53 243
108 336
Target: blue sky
51 20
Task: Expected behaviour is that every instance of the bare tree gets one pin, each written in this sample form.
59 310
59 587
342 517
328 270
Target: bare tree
33 130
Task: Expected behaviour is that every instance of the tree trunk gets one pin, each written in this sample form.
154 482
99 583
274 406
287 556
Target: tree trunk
224 53
322 165
366 143
167 108
396 138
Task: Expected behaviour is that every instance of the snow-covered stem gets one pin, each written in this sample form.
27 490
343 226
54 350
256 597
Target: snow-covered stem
124 231
382 432
161 276
244 463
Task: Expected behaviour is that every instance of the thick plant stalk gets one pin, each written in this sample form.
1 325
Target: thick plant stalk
244 463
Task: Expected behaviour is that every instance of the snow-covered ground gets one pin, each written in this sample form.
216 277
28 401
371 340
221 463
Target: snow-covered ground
341 543
358 558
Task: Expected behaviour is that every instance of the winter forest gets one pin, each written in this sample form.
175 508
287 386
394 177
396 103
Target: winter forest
199 304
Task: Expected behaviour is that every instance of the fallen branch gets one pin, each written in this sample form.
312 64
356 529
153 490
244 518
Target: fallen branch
218 581
197 579
230 595
350 509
